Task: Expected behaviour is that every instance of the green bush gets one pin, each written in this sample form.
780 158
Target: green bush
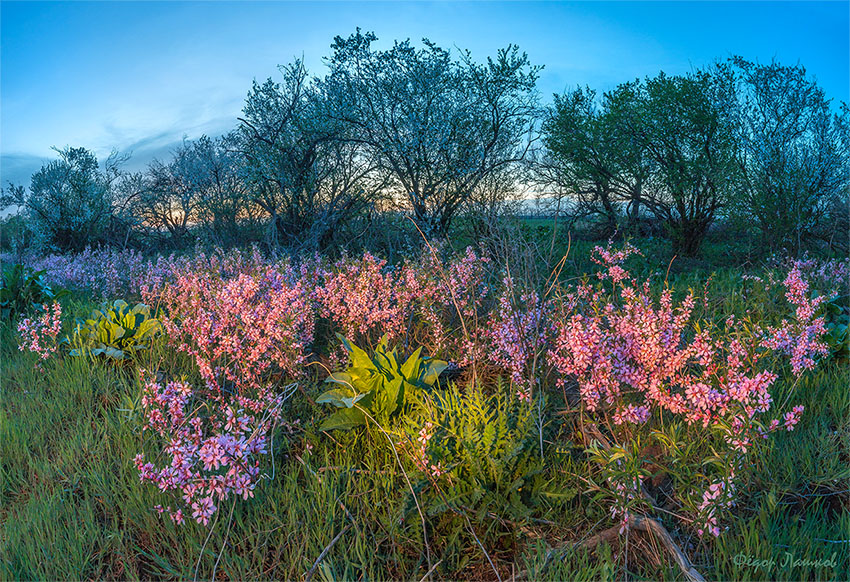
23 289
837 321
379 386
116 331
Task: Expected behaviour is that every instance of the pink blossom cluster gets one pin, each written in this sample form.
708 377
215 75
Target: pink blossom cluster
440 305
451 302
39 334
518 333
831 277
242 330
364 299
166 270
790 419
612 259
627 491
718 497
632 353
636 354
802 337
213 444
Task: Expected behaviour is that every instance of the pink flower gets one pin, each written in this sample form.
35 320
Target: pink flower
203 510
40 335
793 417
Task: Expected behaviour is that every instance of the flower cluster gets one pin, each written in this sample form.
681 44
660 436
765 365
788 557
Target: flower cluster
451 299
440 304
718 497
105 272
800 338
39 335
243 330
613 259
213 444
632 353
831 277
519 332
361 297
419 452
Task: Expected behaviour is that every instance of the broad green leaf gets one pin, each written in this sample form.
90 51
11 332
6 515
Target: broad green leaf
410 369
433 369
343 378
344 419
340 397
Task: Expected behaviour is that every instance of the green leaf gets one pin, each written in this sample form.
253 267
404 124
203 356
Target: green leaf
343 378
340 397
114 353
344 419
433 369
394 390
410 369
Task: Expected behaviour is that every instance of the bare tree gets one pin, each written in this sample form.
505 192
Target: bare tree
437 127
167 203
301 168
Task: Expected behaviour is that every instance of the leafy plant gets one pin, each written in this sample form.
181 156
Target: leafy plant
23 289
481 474
378 385
488 446
837 336
115 330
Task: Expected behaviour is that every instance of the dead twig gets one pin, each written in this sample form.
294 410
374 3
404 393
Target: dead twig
647 524
654 527
431 571
309 575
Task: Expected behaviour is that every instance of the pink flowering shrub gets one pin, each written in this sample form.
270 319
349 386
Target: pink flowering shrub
518 332
439 305
212 442
801 338
634 356
451 299
364 299
831 277
613 259
40 334
243 330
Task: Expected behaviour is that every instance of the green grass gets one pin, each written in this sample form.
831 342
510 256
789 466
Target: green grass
72 506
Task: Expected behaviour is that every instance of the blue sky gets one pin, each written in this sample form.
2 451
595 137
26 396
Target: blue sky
138 76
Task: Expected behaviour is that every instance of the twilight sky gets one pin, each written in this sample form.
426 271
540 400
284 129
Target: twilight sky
138 76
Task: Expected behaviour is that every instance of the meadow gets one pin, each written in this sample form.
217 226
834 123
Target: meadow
560 411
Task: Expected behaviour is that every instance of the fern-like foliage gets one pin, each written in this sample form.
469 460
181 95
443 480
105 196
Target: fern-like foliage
489 466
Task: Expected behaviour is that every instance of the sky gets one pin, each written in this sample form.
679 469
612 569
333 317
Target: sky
141 76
